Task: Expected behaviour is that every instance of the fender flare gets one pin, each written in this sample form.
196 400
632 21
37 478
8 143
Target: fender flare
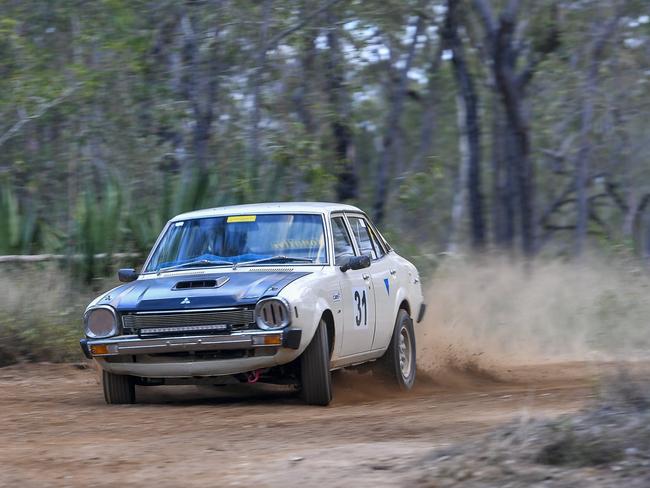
401 296
320 308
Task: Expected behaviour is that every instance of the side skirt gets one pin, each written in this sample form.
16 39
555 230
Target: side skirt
356 359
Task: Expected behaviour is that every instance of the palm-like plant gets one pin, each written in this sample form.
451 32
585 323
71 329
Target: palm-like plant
18 224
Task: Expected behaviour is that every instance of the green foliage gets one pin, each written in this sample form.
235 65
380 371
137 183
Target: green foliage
106 99
18 226
544 31
97 227
179 193
102 223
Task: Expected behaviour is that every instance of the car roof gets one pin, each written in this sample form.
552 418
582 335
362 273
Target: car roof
274 207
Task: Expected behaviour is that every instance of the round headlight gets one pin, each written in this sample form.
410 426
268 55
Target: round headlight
100 322
272 313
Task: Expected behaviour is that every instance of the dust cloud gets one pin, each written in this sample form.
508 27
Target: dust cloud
486 316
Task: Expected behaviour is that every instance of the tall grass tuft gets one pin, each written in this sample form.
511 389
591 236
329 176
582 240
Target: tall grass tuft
98 229
102 223
40 315
180 193
18 225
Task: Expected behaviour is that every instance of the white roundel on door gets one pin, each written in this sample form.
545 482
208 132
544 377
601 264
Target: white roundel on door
360 305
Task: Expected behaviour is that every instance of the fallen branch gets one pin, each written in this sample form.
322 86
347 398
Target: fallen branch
15 129
306 20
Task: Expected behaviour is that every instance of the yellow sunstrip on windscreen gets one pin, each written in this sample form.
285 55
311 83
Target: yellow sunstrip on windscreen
241 218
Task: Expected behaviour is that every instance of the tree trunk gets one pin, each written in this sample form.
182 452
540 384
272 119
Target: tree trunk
428 119
510 86
519 131
586 123
257 158
640 228
391 131
347 181
302 94
468 124
200 84
503 188
582 168
306 60
460 183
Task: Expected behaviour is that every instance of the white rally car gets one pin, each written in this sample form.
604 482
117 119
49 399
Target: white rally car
279 293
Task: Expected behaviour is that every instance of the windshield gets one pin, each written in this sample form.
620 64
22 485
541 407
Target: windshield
240 239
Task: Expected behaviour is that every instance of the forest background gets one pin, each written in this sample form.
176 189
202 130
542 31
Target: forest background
462 127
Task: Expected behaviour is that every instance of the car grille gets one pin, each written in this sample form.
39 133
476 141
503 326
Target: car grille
195 321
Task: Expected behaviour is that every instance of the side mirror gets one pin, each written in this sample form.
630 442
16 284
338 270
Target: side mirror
126 275
356 262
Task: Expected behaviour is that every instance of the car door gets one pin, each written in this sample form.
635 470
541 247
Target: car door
382 276
357 296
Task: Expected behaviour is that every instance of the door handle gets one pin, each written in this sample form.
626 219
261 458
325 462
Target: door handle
366 277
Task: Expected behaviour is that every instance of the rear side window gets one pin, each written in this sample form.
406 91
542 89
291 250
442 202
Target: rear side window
342 241
364 236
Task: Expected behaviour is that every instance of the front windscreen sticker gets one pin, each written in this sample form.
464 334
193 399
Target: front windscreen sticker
179 224
295 244
241 218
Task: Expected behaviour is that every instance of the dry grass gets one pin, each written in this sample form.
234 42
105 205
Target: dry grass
483 315
40 315
492 317
605 445
495 314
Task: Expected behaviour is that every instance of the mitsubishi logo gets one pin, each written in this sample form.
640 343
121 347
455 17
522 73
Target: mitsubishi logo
186 301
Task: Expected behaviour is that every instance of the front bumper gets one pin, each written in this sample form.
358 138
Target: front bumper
133 345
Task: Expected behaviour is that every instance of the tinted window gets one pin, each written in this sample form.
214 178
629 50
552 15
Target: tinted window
342 242
361 233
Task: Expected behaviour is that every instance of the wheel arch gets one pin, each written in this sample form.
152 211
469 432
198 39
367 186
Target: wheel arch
328 317
404 305
402 300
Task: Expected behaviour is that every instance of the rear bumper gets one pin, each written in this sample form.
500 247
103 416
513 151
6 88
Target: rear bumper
134 345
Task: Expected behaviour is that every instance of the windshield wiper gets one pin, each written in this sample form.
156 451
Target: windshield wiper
279 257
197 263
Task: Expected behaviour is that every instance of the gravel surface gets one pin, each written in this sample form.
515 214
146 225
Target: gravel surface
57 431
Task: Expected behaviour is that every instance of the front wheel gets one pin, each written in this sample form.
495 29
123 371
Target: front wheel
315 376
118 389
398 363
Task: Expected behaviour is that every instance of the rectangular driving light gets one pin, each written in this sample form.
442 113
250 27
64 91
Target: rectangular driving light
185 328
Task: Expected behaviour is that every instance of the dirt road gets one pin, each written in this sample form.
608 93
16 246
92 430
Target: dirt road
56 431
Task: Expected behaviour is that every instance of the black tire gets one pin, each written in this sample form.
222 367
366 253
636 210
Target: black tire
398 364
118 389
315 376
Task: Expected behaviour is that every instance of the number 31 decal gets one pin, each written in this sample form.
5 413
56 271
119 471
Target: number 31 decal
360 307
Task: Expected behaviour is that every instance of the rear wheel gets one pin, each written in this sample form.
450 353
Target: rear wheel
398 363
315 376
118 389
